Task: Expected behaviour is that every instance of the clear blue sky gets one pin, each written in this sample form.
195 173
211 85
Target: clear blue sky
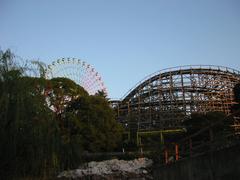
125 40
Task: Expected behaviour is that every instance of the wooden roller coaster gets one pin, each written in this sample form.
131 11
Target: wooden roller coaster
164 99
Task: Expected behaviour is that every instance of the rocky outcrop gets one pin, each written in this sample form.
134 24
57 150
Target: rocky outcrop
111 170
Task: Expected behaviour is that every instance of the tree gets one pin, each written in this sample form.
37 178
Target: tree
94 122
45 125
62 91
217 126
236 107
28 133
236 91
101 93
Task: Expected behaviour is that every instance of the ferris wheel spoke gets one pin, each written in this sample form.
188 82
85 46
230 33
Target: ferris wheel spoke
78 71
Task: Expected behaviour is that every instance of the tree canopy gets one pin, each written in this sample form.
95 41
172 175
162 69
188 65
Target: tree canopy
46 125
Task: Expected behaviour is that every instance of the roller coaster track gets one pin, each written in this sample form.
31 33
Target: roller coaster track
164 99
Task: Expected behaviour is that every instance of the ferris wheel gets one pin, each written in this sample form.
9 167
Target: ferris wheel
78 71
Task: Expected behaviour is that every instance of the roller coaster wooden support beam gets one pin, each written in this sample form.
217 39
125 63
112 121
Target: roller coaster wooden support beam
168 156
141 134
166 98
176 152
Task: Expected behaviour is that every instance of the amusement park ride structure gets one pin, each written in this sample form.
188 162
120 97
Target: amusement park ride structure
163 100
79 71
155 108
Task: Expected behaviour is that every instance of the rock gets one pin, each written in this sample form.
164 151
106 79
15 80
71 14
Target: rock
111 169
144 171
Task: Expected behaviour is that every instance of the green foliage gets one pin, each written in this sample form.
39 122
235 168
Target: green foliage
96 123
236 91
41 68
46 125
218 123
27 130
101 94
236 107
62 91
